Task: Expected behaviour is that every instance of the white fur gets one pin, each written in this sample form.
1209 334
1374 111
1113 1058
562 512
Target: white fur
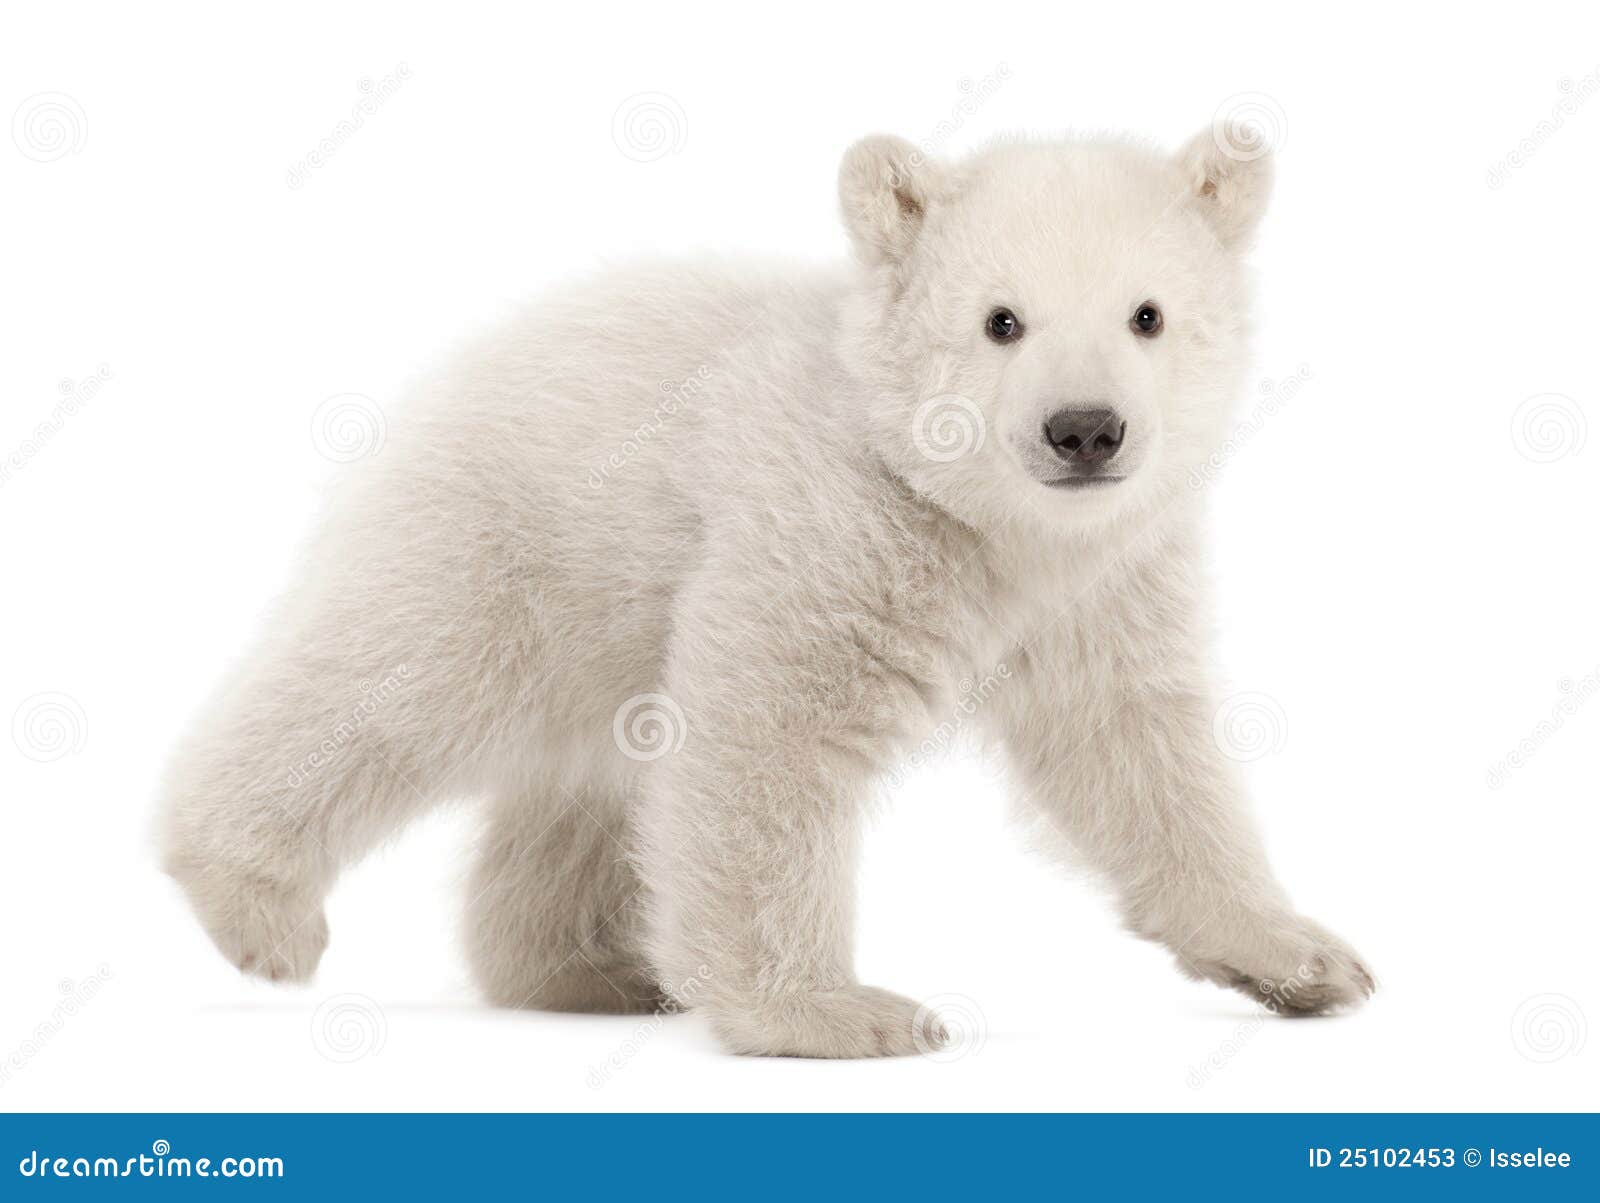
731 487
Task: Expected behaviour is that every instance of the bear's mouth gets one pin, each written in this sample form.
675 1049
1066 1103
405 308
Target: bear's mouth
1082 482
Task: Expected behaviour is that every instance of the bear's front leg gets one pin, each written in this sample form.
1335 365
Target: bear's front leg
1125 764
749 834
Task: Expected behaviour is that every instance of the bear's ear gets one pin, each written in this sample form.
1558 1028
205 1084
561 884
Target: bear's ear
885 187
1229 184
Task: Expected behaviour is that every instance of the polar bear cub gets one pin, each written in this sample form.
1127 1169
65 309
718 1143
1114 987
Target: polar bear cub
674 569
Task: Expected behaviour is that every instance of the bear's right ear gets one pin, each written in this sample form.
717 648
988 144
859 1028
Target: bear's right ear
885 187
1229 176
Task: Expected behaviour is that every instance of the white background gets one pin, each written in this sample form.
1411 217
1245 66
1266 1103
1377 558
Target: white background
1405 543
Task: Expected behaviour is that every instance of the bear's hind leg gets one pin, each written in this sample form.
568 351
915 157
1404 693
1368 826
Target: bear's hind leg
300 769
554 917
345 724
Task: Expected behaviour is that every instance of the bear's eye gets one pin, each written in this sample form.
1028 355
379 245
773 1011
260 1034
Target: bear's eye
1003 326
1146 320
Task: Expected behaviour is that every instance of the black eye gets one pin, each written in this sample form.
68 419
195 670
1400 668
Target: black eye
1146 320
1003 326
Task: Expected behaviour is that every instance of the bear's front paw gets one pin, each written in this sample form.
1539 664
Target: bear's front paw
1299 969
264 928
853 1021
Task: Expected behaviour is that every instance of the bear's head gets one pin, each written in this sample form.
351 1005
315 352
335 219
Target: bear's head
1050 331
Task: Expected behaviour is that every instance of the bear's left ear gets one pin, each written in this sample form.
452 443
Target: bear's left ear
1229 184
885 188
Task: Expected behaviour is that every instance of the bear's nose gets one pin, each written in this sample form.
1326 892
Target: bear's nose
1085 436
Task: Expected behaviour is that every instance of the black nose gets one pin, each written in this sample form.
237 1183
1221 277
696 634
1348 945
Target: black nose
1085 436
